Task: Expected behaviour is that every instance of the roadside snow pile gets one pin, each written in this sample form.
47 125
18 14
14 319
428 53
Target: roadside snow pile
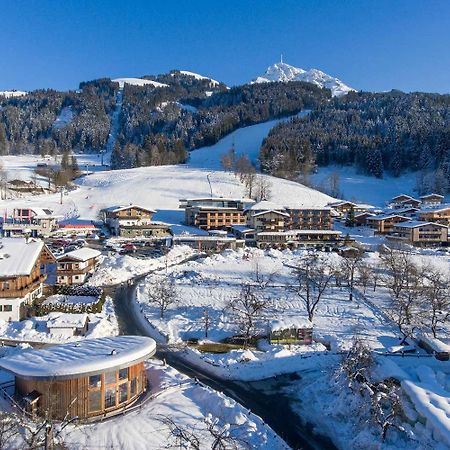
117 269
190 406
430 396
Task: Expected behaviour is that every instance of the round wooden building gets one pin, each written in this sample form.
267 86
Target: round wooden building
83 379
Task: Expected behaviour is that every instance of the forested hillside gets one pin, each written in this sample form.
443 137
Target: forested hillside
378 133
159 125
27 124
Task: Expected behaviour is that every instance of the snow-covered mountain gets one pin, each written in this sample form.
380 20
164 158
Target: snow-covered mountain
137 82
197 76
285 72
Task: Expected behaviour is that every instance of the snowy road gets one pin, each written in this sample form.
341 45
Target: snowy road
271 405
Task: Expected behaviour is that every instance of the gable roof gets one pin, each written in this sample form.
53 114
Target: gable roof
274 211
387 216
18 256
82 254
397 197
431 195
418 223
123 207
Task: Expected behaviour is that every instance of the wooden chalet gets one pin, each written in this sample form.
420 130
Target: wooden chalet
431 199
92 378
384 223
75 267
439 215
404 201
420 233
117 217
22 265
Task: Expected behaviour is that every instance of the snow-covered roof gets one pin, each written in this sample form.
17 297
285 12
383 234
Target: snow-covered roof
299 232
17 256
290 322
416 224
86 357
242 228
431 195
340 203
406 197
387 216
63 320
82 254
218 199
439 208
266 205
122 207
261 213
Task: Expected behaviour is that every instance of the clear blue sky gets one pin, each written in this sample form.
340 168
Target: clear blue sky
369 44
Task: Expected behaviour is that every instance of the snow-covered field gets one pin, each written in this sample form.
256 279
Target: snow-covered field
159 188
362 188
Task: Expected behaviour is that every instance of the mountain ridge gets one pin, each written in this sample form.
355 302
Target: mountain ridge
285 72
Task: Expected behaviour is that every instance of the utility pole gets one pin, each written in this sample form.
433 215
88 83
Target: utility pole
209 182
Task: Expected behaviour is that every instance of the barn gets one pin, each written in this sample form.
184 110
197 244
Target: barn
83 379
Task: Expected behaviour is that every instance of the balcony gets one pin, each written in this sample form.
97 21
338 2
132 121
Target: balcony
22 292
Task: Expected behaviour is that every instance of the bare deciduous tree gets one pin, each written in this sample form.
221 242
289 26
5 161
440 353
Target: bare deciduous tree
223 437
162 293
312 279
263 188
349 267
435 296
248 308
404 279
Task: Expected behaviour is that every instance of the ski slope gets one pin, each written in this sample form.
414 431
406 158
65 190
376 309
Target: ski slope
247 141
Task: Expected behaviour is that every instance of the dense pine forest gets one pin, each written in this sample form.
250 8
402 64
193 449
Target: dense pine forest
385 133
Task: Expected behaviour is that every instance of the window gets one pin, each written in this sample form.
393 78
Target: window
133 386
110 397
1 308
7 308
123 392
95 381
123 374
6 285
110 378
95 401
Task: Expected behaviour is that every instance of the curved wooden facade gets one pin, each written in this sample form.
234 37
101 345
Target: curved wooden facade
85 396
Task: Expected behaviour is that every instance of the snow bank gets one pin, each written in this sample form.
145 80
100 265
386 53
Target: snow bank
431 401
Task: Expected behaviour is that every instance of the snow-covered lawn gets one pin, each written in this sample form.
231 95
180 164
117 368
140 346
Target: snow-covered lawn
184 402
